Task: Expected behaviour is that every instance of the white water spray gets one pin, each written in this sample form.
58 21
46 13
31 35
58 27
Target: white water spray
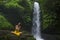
36 22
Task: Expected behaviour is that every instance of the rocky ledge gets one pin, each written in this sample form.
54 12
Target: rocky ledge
7 35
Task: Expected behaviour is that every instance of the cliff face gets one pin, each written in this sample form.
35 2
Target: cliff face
50 15
17 11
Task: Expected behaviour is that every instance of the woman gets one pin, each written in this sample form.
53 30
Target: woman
17 28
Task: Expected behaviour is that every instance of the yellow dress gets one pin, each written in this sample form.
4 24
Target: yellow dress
16 32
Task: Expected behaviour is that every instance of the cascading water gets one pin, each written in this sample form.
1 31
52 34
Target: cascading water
36 22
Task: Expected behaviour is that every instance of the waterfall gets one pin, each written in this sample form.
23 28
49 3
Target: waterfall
36 22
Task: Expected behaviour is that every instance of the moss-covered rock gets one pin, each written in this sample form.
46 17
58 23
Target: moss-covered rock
7 35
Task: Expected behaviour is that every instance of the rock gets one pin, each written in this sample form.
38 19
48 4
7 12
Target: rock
6 35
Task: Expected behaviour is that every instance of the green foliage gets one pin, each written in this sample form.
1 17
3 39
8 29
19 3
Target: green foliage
48 12
28 19
17 10
4 24
14 3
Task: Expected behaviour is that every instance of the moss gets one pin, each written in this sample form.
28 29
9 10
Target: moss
4 24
